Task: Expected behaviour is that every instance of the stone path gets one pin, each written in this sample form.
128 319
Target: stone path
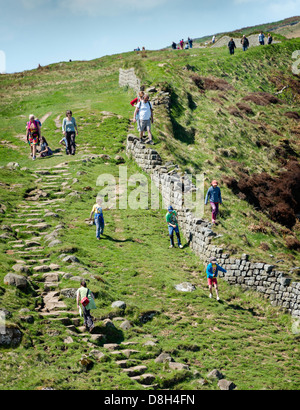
33 222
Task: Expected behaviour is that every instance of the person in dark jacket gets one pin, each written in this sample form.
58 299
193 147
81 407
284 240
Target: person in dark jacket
215 198
245 43
270 39
231 46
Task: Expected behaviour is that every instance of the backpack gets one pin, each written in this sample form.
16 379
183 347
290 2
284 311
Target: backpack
99 215
85 301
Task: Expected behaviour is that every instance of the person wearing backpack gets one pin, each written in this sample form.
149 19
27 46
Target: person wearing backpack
33 134
98 218
145 111
69 128
86 298
245 43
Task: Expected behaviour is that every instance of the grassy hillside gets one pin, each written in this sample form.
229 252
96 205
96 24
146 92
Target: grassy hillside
204 130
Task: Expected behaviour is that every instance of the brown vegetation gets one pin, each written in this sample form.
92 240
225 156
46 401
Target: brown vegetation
279 196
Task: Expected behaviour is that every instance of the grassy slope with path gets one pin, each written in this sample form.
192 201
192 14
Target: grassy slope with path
243 336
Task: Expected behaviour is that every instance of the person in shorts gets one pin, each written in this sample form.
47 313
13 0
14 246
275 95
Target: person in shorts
145 112
33 134
212 273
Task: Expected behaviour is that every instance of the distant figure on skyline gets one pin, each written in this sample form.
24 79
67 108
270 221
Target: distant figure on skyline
181 44
261 38
174 45
245 43
231 46
270 39
190 41
145 112
213 39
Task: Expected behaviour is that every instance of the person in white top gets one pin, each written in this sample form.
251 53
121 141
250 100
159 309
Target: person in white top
145 111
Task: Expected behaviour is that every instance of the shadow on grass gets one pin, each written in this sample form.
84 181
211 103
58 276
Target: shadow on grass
110 238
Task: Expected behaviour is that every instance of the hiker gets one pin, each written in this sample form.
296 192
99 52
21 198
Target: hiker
215 198
190 41
33 135
98 218
45 149
181 42
63 141
214 39
212 273
261 38
186 46
231 46
171 218
174 45
82 293
145 111
245 43
69 128
134 102
270 39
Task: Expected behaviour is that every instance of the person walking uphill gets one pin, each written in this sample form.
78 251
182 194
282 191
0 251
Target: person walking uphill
171 218
212 273
98 218
145 111
69 128
86 298
215 198
33 135
231 46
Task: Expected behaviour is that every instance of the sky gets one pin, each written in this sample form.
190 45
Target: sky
34 32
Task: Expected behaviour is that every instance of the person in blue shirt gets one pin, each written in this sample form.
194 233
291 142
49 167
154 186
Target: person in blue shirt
215 198
212 273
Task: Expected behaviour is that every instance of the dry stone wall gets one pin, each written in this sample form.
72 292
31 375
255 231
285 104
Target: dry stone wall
260 277
128 78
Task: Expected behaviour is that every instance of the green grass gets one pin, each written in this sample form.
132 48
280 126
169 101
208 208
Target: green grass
248 340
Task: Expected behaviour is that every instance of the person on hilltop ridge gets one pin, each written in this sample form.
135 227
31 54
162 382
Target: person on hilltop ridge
261 38
270 39
145 112
231 46
212 273
245 43
33 134
215 198
171 218
69 128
